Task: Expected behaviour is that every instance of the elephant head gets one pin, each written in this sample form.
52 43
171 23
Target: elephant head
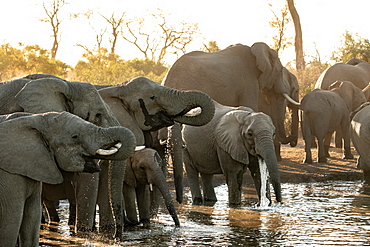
144 105
40 144
254 138
144 168
352 95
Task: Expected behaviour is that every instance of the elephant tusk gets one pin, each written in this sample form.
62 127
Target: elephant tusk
162 142
109 151
118 145
194 112
138 148
151 187
291 100
366 88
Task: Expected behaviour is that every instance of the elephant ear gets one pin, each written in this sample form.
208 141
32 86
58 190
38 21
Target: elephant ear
269 64
23 151
228 134
130 178
44 95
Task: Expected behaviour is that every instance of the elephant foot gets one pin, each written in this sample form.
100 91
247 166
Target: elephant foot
145 222
210 203
197 201
367 177
322 160
107 227
131 223
307 161
347 156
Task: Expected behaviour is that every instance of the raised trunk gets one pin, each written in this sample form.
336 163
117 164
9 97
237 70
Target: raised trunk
161 183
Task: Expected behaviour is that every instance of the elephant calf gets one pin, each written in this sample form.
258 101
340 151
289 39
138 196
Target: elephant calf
234 140
143 170
32 150
325 112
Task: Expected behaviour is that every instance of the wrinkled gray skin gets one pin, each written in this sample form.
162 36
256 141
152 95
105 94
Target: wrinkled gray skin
239 76
143 106
323 112
144 171
229 144
32 150
360 135
40 93
355 70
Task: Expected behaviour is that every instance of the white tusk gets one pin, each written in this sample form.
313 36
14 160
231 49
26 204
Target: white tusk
194 112
291 100
118 145
162 142
151 187
138 148
109 151
366 88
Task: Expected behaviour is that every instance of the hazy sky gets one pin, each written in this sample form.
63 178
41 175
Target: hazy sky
227 22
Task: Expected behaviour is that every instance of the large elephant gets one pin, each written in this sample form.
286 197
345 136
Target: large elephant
235 139
239 76
323 112
142 172
32 149
355 70
360 135
41 93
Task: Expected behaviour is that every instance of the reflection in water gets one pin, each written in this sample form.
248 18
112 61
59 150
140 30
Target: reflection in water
312 214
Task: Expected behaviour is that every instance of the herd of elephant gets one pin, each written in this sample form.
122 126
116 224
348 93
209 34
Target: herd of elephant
221 113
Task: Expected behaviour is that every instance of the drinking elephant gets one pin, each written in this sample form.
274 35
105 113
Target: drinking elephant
323 112
241 76
235 139
360 134
32 150
142 172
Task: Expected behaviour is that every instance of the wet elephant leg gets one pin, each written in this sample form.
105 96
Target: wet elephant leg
106 220
129 195
209 194
193 177
143 203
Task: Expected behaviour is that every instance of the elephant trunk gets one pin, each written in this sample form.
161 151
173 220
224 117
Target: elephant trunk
186 101
176 150
267 152
161 183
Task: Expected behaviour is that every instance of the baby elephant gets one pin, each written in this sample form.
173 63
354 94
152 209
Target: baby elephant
32 150
234 140
143 170
326 111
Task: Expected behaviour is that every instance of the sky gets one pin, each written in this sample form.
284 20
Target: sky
227 22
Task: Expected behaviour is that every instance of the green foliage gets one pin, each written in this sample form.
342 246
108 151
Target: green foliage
211 47
352 45
31 59
105 68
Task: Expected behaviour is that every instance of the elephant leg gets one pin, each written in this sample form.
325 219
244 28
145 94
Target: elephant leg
29 232
106 220
367 176
86 195
193 177
347 140
129 195
327 141
143 203
307 137
209 194
321 149
52 210
277 148
256 174
338 138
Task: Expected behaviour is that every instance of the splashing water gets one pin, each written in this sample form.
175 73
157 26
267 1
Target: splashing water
264 201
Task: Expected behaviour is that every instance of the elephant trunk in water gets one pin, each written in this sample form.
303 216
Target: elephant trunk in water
161 183
266 150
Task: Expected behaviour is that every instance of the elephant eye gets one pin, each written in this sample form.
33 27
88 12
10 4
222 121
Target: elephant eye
98 115
74 136
153 97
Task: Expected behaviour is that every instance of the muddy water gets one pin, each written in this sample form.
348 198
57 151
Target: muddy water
313 214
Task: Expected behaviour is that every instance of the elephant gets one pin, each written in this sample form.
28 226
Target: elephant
33 149
237 138
360 138
39 93
323 112
240 76
355 70
142 172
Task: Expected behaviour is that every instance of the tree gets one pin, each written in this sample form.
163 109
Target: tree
298 41
352 45
211 47
281 23
54 20
115 24
154 42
